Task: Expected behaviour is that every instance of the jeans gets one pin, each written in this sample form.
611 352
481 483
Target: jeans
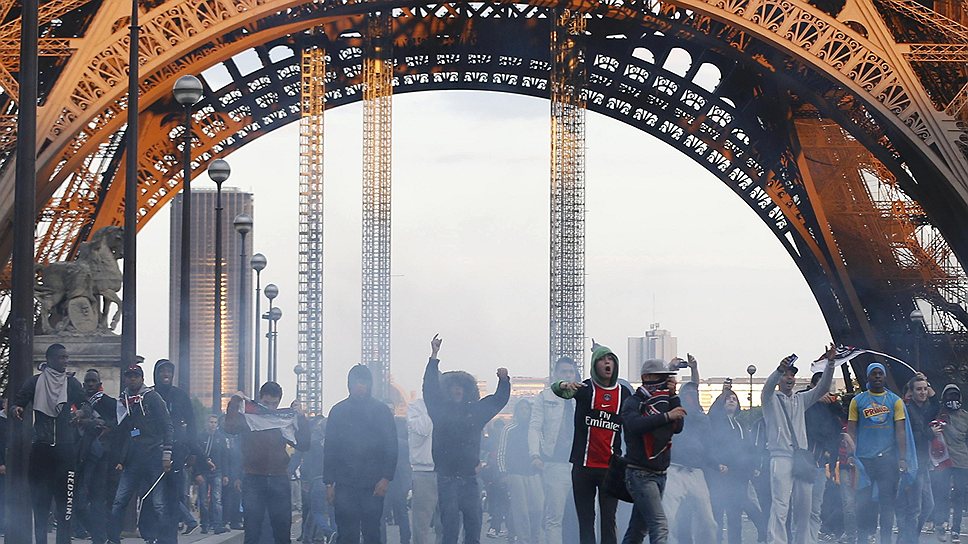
423 505
395 504
648 516
556 486
585 484
686 490
789 496
267 495
914 504
319 524
210 500
52 478
459 498
140 473
883 473
526 507
358 512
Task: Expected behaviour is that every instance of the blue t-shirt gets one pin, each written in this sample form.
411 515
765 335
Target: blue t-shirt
875 414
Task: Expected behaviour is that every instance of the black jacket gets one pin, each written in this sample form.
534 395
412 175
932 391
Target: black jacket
824 427
182 417
921 417
648 431
49 430
693 447
457 431
361 443
214 447
145 426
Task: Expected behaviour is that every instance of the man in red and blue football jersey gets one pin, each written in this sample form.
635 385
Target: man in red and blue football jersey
598 434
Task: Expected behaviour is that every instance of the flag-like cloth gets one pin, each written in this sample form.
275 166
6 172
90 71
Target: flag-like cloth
260 417
846 353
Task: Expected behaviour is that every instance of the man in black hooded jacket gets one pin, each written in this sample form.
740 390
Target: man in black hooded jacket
359 459
184 446
52 455
459 417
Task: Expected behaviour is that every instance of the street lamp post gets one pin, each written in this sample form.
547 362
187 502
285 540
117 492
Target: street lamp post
271 292
751 370
243 225
917 323
219 171
274 316
187 91
258 263
21 320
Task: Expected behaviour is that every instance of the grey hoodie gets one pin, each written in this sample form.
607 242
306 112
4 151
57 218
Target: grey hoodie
779 441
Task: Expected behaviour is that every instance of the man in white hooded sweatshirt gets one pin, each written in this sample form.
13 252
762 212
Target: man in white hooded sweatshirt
783 411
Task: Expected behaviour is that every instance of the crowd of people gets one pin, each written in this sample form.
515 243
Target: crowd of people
583 462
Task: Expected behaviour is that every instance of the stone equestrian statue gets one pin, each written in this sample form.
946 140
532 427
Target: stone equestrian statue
76 296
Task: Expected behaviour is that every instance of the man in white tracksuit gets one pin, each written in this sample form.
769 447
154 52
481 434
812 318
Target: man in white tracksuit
786 490
424 499
550 435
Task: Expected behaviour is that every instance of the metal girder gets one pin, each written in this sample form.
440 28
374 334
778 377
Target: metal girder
94 106
568 78
956 108
309 381
954 31
937 52
729 141
46 12
377 165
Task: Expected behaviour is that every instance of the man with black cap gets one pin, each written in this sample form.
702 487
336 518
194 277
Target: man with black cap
145 430
784 417
185 447
265 432
359 459
53 452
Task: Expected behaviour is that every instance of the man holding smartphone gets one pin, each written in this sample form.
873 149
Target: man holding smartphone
784 416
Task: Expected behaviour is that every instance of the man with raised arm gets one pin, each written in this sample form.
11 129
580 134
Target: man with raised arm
459 417
784 416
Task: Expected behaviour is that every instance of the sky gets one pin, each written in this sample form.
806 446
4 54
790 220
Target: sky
666 242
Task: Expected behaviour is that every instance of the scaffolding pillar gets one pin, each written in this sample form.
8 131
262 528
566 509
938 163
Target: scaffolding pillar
377 141
567 82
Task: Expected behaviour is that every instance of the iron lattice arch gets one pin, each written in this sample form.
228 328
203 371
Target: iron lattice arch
733 109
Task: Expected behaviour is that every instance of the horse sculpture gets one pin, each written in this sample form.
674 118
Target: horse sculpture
76 297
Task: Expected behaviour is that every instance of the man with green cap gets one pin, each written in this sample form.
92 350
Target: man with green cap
598 434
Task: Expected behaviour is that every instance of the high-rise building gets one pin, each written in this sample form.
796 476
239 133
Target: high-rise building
202 255
656 344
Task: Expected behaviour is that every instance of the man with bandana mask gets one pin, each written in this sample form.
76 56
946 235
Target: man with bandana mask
650 418
956 477
52 455
877 424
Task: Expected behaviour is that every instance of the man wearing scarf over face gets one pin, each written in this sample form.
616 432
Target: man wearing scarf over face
52 454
